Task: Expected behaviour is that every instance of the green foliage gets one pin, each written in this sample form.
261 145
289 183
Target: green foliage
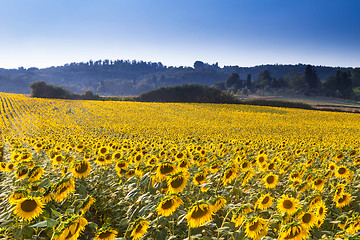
44 90
339 85
187 93
311 78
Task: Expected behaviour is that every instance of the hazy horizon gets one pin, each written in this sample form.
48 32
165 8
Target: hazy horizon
44 33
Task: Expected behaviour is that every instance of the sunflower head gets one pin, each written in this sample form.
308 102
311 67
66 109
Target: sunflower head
165 169
218 203
342 172
343 200
106 233
199 214
229 175
200 178
265 201
287 205
168 205
256 228
308 219
17 195
28 208
271 180
318 183
89 200
140 228
81 169
177 182
293 231
71 227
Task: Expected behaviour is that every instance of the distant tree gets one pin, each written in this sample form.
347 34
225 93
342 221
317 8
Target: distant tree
339 85
355 77
233 81
199 65
311 78
219 85
295 80
265 79
248 81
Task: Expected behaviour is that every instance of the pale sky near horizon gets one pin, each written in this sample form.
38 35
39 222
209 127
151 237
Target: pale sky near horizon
43 33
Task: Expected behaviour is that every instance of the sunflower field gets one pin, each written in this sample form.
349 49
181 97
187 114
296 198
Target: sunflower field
129 170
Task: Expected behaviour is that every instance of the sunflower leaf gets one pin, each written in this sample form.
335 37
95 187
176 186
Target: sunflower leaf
40 224
51 222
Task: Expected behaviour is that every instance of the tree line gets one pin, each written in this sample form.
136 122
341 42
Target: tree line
342 84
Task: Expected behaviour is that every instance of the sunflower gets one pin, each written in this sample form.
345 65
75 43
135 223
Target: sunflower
177 182
103 150
295 175
261 160
165 169
81 169
318 184
332 166
229 175
342 201
57 160
356 161
35 173
320 211
354 226
2 166
140 228
17 195
315 201
89 200
71 229
308 220
102 160
271 180
117 155
105 234
63 188
247 176
342 172
169 205
121 164
10 167
47 194
340 156
271 166
256 228
199 214
130 173
339 191
28 208
214 166
293 231
239 217
219 202
152 161
264 202
199 178
287 205
21 172
245 165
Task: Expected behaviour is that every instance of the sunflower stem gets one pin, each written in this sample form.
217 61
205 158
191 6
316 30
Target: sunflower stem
222 224
189 233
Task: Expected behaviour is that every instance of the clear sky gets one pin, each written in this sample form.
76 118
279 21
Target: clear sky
43 33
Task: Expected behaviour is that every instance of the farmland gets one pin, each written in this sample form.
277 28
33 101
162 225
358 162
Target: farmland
130 170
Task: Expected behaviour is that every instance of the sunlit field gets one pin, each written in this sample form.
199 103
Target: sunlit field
128 170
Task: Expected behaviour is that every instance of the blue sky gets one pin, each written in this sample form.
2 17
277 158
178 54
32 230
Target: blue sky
43 33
